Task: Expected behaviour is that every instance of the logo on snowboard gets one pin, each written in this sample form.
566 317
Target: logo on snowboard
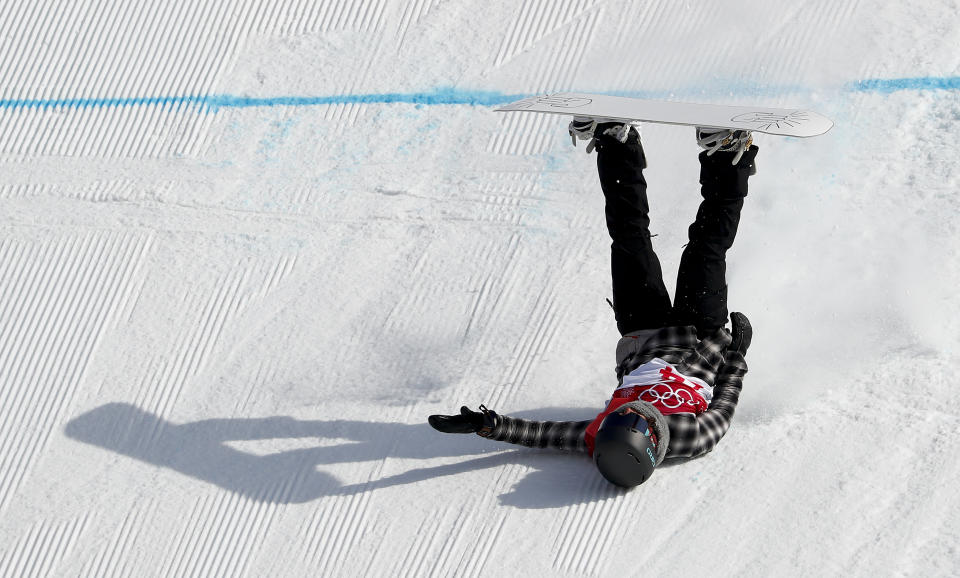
767 120
552 101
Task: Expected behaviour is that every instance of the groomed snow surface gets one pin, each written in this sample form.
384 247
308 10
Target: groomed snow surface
222 326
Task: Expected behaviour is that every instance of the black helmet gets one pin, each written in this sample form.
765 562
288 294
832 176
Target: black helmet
624 451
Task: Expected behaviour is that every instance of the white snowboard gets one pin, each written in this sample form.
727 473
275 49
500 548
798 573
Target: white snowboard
782 121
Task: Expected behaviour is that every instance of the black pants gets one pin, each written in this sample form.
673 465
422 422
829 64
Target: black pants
640 298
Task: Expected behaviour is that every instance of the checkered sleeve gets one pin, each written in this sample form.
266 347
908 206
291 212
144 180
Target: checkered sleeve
694 435
560 435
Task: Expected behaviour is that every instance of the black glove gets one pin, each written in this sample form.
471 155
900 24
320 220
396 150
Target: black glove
742 333
468 421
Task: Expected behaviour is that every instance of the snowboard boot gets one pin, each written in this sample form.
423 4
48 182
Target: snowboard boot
724 140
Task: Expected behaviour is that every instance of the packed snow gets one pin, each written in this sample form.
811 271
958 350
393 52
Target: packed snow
248 247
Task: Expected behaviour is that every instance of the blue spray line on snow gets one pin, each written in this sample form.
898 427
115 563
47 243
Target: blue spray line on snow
442 96
215 102
888 85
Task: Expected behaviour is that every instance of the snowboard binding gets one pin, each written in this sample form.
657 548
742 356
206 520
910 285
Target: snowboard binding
584 128
724 140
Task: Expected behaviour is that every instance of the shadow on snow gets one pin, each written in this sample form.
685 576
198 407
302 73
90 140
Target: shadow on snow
201 450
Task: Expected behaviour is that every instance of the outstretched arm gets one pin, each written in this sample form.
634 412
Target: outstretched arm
561 435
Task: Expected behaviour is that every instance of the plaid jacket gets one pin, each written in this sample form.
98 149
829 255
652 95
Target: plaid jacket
690 435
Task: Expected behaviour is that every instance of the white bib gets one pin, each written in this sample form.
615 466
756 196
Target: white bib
657 371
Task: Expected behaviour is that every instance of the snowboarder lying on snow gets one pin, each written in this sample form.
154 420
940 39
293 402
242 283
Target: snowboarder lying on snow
679 371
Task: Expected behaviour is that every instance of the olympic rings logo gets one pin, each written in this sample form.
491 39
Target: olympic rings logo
669 397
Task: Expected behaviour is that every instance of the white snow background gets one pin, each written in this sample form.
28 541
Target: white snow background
223 323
